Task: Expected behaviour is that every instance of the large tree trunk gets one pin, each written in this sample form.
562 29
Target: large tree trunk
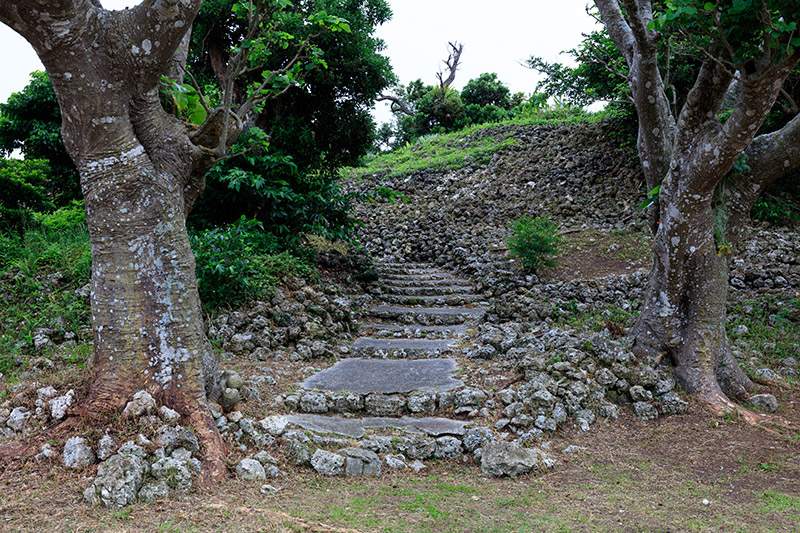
684 310
140 174
148 328
683 313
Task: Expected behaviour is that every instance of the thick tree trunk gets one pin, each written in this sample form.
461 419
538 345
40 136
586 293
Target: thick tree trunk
140 174
148 328
683 314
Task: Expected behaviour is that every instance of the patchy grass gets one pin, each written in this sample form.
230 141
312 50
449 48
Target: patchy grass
776 502
452 150
596 252
471 145
767 327
599 319
657 481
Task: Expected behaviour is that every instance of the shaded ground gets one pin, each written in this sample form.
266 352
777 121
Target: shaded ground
632 476
594 253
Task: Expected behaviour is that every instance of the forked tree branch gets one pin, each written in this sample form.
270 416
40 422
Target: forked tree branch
451 63
398 106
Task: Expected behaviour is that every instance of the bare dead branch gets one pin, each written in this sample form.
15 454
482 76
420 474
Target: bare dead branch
452 66
398 106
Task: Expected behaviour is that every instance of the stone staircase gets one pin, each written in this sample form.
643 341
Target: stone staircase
404 373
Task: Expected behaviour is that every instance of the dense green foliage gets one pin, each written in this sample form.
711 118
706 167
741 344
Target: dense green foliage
428 110
263 185
483 100
486 90
30 121
22 190
290 185
240 263
534 241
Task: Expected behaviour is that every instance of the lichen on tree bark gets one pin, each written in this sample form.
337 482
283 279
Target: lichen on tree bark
689 156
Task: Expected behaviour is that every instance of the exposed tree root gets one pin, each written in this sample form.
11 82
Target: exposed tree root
720 405
215 468
99 409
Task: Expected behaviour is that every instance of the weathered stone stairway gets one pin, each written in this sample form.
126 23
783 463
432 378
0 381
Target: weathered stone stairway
402 373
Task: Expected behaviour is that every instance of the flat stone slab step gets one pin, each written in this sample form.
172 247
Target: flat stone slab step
456 330
355 428
405 265
445 299
441 290
419 277
403 348
386 376
429 315
430 283
409 270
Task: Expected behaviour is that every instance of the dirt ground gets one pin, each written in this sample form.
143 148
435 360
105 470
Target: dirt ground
684 473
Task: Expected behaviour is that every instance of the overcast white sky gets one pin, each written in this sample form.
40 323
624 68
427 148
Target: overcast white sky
497 35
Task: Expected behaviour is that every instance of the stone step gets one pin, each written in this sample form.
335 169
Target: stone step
409 270
428 315
386 376
430 283
431 276
412 330
355 428
417 386
437 290
442 299
370 347
399 264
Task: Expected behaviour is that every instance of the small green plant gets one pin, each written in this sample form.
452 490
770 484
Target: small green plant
534 241
241 262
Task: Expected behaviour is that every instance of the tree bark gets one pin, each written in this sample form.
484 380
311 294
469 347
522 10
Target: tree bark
140 174
684 309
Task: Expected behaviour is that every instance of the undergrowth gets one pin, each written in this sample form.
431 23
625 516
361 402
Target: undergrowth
41 269
771 327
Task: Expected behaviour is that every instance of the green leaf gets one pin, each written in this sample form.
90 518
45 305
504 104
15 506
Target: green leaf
198 115
181 100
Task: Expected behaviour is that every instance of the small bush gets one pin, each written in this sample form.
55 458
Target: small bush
239 263
72 216
534 242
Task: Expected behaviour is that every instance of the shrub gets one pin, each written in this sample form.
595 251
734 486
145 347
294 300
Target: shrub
22 191
70 217
534 242
239 263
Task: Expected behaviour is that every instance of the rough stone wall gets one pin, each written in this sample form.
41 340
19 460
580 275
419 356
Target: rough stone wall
577 174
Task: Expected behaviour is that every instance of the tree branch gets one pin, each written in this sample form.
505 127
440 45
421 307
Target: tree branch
42 23
452 66
770 157
752 106
398 106
617 27
170 20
